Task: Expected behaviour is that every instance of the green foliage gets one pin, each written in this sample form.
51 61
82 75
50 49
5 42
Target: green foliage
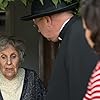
68 0
24 2
4 3
1 1
55 1
41 1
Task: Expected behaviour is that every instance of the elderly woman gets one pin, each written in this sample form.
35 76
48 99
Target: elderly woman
90 11
17 83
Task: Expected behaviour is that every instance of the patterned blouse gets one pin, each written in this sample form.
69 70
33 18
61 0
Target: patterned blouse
93 89
33 88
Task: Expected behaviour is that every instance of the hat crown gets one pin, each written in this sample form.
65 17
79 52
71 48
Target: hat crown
48 6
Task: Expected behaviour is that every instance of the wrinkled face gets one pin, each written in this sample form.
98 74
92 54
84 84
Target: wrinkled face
45 26
9 62
88 35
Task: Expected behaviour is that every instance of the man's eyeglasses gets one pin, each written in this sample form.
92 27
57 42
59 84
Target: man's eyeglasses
35 21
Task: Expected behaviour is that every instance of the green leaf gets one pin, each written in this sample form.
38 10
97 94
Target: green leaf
55 1
11 0
68 1
4 4
41 1
1 6
24 1
1 1
59 1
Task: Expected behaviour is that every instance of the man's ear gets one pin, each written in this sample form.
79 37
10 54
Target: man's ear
48 20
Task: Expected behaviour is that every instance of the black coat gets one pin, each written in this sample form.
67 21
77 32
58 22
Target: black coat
74 64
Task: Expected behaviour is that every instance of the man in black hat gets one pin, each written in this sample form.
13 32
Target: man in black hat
75 60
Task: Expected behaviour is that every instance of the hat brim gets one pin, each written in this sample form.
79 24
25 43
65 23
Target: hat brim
66 8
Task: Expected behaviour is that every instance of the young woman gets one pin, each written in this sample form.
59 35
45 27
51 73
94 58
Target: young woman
90 11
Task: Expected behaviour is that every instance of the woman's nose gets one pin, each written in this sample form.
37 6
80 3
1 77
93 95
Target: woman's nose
9 62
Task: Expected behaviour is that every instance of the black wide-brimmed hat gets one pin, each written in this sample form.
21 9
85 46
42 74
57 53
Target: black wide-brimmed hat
48 8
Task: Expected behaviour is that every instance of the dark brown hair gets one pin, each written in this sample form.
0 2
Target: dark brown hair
90 11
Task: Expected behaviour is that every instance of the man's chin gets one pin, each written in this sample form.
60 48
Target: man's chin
52 40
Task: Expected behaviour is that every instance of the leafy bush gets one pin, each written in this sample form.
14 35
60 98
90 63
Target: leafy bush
5 3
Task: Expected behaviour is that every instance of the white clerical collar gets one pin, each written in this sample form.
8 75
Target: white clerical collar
64 24
59 38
